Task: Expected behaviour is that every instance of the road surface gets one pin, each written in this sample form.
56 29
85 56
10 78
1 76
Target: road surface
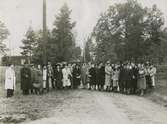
93 107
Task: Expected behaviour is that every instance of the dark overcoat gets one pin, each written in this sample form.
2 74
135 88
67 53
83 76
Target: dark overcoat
26 82
129 75
76 77
100 75
122 77
134 78
58 76
92 73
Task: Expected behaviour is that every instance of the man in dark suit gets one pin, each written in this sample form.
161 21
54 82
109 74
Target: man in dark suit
76 76
122 78
58 77
25 79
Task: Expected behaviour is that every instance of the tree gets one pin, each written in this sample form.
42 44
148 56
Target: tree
128 31
76 54
60 41
87 57
29 43
89 49
159 52
63 40
3 35
155 33
37 57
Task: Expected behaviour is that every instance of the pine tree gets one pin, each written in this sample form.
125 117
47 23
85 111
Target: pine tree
63 40
29 43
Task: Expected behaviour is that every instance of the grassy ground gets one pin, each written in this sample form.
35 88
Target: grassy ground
32 107
24 108
159 94
161 85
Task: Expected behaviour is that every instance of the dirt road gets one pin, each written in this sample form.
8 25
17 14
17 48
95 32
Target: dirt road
92 107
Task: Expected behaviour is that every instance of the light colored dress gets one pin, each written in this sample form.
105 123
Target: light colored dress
50 74
108 71
115 78
44 77
152 75
141 82
83 74
66 79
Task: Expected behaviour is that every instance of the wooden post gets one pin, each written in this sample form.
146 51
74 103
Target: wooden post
44 33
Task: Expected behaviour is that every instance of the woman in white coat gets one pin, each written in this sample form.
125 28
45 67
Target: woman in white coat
153 71
44 78
66 77
10 81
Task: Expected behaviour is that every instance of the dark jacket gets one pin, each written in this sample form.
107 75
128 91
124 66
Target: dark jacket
58 75
25 78
92 73
101 75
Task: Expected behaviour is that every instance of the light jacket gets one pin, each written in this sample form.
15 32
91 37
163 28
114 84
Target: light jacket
10 79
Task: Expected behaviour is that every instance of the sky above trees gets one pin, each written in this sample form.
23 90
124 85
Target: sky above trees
18 15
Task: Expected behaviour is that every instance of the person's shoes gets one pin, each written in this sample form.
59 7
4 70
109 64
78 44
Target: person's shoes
142 94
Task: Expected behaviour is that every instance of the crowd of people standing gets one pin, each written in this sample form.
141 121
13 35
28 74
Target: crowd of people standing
126 78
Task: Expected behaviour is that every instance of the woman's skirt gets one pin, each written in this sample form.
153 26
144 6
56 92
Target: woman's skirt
107 80
141 83
115 83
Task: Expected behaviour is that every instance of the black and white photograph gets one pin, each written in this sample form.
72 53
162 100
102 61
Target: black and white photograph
83 61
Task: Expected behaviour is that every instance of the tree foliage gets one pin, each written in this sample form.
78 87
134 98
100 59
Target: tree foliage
128 31
38 49
3 36
86 53
63 40
89 49
29 43
60 44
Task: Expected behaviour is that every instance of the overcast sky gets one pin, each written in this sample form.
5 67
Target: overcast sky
18 15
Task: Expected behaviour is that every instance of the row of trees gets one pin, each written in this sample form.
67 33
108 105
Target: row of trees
60 45
129 31
4 33
126 31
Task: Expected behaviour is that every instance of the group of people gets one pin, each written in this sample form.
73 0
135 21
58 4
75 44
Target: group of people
41 79
128 77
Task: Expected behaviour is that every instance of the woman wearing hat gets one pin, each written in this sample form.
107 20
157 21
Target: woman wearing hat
141 80
108 71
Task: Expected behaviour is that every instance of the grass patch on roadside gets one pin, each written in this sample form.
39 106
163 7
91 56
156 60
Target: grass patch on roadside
159 94
31 107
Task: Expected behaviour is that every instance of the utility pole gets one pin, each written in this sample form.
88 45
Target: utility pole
10 51
44 33
84 57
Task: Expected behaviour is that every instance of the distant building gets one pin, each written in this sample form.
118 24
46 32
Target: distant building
1 56
16 60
